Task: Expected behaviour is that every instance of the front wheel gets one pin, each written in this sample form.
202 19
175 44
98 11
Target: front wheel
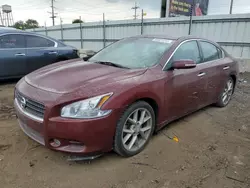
134 129
227 93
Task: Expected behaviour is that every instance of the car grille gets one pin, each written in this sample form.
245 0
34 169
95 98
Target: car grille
30 106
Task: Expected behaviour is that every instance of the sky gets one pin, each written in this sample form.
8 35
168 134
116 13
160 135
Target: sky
89 10
92 10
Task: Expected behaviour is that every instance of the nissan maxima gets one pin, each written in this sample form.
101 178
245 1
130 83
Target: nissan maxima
120 96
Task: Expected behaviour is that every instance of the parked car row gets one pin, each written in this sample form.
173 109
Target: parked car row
117 98
23 52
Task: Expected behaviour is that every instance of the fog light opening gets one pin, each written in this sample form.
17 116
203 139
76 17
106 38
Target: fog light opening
55 143
75 142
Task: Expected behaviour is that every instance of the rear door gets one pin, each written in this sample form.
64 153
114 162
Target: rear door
40 52
12 55
184 88
216 68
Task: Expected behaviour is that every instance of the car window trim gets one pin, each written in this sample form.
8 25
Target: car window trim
220 51
201 53
31 34
188 40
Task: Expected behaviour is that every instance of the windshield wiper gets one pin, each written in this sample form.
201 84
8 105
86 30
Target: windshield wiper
111 64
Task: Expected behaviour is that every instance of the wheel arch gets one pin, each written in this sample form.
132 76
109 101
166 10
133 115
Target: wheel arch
152 103
233 76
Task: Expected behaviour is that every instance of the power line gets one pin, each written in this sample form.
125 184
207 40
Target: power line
135 8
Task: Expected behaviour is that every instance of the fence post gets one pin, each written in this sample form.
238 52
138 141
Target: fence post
45 27
142 21
231 7
81 32
61 29
191 18
104 31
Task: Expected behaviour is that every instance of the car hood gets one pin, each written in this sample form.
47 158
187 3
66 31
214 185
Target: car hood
67 77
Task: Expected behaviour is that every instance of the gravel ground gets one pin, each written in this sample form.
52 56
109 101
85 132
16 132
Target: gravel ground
213 151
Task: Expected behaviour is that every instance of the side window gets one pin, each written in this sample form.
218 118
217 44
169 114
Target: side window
35 41
210 52
188 50
12 41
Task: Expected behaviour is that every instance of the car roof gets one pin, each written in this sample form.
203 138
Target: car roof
9 30
182 38
6 30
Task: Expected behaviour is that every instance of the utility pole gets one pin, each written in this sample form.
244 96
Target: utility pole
135 8
231 7
52 12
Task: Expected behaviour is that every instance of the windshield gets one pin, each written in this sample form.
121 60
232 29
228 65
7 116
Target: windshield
134 52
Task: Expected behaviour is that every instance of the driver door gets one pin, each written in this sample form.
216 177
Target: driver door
184 88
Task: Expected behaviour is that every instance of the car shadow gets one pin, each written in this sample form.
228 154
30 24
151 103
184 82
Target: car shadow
9 81
109 156
112 156
171 124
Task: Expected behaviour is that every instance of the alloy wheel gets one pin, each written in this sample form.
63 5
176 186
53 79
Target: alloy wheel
137 129
228 91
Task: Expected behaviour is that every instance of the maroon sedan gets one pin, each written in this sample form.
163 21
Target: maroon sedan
119 97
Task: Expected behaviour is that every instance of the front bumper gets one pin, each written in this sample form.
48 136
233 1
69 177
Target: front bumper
76 136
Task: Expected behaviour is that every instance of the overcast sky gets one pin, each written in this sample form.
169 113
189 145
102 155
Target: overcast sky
91 10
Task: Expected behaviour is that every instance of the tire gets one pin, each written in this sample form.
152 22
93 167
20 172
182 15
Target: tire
127 129
221 102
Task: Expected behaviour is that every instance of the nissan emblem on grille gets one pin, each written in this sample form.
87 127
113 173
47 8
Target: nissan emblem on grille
23 102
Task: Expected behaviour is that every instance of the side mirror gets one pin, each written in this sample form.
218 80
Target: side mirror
86 54
184 64
86 58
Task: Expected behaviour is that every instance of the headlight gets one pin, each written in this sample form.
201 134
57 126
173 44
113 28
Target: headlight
89 108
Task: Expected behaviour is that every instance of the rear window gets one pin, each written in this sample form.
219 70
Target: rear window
210 51
36 41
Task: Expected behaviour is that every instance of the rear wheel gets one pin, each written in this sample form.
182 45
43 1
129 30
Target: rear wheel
227 93
134 129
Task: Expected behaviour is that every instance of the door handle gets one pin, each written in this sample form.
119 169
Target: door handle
201 74
20 54
226 67
50 53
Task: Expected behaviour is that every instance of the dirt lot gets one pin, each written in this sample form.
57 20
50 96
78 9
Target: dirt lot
213 151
